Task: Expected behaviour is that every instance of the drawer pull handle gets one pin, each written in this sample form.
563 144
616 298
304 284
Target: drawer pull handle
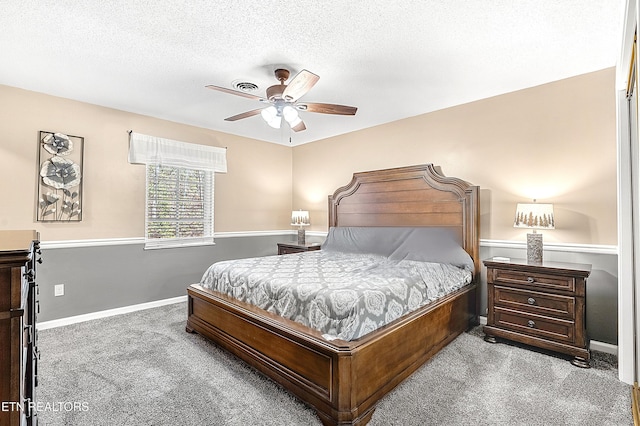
530 280
531 301
531 324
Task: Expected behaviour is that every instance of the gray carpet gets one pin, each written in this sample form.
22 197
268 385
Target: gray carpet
118 372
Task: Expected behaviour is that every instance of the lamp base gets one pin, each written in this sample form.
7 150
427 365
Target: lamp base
301 237
534 248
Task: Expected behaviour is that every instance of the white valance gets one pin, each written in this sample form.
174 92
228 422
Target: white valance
145 149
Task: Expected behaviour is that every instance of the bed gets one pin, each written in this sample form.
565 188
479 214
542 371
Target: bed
344 379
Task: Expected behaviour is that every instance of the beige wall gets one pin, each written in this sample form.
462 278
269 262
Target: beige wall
254 195
555 142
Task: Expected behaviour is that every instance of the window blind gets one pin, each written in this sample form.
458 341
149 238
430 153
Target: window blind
179 208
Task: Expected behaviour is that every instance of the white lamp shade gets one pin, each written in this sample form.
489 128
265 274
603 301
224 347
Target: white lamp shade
275 122
534 216
289 113
270 115
300 218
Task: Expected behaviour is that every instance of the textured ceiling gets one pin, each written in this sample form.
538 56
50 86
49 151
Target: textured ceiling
390 59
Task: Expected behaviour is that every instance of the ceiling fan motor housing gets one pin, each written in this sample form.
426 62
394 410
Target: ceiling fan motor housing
275 92
282 74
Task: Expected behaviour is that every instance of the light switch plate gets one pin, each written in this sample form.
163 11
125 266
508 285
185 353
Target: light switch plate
58 290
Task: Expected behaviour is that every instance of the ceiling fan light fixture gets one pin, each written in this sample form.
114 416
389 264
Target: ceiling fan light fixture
293 123
275 122
268 113
290 114
271 116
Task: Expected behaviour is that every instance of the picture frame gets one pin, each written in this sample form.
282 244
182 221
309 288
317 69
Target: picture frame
60 177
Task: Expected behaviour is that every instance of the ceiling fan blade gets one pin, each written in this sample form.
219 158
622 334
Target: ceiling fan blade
327 108
234 92
301 84
244 115
299 127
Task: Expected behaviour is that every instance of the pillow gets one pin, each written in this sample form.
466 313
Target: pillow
426 244
438 245
358 239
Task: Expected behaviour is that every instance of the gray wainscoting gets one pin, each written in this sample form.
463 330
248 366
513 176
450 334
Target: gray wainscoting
99 278
103 277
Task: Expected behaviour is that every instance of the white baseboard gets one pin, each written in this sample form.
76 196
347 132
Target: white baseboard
594 345
108 313
607 348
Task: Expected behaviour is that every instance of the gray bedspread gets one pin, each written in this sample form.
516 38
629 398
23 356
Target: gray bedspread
344 295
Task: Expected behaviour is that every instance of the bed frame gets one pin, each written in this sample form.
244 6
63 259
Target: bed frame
342 380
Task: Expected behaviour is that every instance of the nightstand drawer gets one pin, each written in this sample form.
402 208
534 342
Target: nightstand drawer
535 325
289 250
534 280
535 302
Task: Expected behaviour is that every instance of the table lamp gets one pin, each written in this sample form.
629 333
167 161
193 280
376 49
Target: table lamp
300 218
534 216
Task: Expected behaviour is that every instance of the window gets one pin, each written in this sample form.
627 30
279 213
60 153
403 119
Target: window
179 206
179 189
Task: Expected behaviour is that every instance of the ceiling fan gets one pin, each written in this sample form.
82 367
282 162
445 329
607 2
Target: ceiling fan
284 101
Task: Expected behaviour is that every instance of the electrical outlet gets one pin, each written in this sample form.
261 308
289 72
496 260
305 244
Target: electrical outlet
58 290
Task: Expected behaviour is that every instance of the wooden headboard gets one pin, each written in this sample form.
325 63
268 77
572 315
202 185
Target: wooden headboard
410 196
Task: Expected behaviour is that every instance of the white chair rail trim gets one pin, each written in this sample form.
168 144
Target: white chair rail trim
140 240
562 247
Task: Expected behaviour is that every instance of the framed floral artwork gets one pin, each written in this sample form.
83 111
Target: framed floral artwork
59 197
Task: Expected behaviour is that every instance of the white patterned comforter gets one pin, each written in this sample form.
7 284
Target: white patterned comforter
344 295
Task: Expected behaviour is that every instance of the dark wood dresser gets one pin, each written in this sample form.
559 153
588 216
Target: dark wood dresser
542 305
288 248
19 253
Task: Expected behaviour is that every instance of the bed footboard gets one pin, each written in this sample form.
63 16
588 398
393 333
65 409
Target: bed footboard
341 380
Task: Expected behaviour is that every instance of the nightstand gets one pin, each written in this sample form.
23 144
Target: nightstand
288 248
541 305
